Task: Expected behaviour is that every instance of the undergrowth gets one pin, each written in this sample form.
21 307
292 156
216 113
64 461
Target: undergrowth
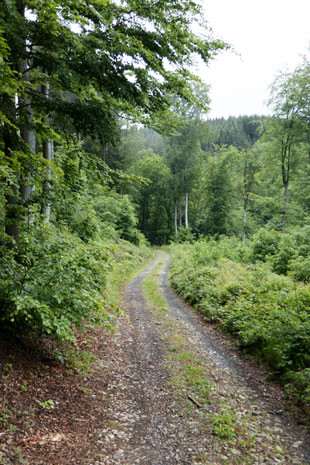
269 313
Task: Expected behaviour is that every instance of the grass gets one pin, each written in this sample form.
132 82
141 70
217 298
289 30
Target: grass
187 370
128 262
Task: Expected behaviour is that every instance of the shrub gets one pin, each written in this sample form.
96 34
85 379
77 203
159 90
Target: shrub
265 244
52 282
300 269
183 235
268 312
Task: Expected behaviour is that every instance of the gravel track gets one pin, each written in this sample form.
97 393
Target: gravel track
150 423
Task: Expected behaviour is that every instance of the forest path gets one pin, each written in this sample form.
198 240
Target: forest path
159 413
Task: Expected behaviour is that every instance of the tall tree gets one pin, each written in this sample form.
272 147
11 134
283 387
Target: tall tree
249 167
100 59
184 150
153 198
286 128
215 217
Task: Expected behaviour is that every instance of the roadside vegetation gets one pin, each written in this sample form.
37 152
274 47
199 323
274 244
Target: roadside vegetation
259 293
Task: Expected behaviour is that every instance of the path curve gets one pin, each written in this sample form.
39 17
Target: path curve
149 423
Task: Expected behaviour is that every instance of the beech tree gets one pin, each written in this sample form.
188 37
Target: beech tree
76 65
286 128
249 165
152 198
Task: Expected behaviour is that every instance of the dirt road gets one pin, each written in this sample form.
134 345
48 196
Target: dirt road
156 421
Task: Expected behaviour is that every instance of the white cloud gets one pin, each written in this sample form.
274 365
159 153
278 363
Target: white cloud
269 35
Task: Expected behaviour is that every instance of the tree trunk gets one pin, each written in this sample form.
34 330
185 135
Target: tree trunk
180 214
47 155
186 210
12 196
11 226
175 217
245 205
46 206
285 201
28 134
286 156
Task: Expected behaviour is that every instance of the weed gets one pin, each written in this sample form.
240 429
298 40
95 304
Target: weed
80 362
46 404
267 312
85 389
7 369
24 386
12 428
20 456
188 372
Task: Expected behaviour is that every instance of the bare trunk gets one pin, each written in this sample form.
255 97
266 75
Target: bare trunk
180 214
175 217
285 201
12 197
27 132
245 205
286 156
186 210
47 155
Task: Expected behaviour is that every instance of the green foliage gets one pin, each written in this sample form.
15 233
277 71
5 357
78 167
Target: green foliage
300 269
240 132
66 70
127 260
265 244
46 404
183 235
216 219
151 197
269 313
117 211
52 282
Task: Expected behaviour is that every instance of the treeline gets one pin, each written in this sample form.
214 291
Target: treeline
69 72
223 177
241 132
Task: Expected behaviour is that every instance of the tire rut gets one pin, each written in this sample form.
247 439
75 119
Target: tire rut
156 429
153 426
244 374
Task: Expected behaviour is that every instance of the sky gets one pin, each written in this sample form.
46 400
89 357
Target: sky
269 36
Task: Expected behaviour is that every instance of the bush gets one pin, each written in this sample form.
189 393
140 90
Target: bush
52 282
287 249
269 313
265 244
183 235
117 211
300 269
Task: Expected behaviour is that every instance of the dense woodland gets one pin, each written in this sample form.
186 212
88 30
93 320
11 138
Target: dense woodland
71 73
105 137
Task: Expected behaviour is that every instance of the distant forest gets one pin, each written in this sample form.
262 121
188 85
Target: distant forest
241 132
